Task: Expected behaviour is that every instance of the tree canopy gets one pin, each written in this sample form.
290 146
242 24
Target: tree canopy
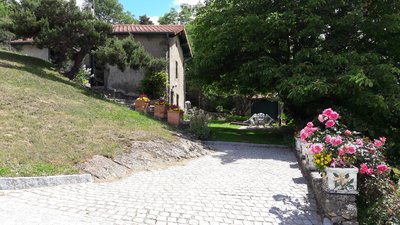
111 11
145 20
314 54
186 15
5 22
62 27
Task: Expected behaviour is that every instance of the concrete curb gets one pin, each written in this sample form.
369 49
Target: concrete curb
15 183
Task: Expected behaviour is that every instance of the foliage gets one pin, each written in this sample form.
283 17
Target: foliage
62 27
145 20
83 76
379 201
186 15
154 84
335 146
176 108
339 147
128 52
314 54
199 125
111 11
5 23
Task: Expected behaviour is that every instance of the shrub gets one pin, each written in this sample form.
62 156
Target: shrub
154 84
83 76
199 125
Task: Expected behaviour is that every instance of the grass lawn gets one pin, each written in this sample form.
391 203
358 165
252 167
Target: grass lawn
224 131
48 123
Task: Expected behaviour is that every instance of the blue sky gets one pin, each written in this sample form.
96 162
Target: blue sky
148 7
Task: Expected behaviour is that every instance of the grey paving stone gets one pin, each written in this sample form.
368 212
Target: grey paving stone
238 184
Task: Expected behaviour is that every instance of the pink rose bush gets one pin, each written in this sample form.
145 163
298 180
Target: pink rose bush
333 145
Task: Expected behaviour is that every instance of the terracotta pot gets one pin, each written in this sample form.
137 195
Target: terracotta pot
175 117
141 105
160 111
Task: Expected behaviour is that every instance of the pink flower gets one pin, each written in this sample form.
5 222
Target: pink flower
370 171
330 123
327 112
351 149
317 148
336 141
328 138
342 151
310 125
383 139
359 142
321 118
382 168
363 168
347 132
378 143
334 115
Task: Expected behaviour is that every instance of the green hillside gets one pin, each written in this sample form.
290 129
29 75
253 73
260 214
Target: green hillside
48 123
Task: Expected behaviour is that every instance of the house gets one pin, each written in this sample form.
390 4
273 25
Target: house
26 47
169 42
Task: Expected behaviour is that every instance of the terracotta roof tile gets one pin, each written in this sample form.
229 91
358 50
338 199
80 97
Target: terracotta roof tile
134 28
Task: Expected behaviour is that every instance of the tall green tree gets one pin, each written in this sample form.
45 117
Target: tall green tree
145 20
314 54
111 11
5 22
170 17
63 28
186 15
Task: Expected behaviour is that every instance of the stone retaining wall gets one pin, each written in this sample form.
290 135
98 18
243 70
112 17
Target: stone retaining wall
335 208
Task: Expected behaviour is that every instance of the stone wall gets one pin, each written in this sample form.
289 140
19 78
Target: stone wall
335 208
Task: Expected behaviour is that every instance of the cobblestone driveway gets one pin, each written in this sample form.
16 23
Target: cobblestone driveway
239 184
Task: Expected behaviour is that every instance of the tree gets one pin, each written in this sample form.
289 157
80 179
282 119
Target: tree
170 17
314 54
186 15
111 11
128 53
145 20
63 28
5 23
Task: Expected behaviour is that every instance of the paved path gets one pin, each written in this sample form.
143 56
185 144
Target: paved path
239 184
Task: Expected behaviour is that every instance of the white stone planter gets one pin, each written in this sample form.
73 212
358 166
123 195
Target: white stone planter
304 148
310 161
298 144
341 180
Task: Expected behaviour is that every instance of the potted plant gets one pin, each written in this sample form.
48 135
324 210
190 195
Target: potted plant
175 115
142 103
339 154
160 109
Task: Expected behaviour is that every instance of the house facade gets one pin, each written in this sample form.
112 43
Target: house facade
168 42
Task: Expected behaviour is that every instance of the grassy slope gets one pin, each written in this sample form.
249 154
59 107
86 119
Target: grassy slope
224 131
48 124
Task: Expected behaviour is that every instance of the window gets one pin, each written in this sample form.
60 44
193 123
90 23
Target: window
176 69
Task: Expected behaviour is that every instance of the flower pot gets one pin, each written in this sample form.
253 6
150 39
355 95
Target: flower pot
310 161
341 180
175 117
160 111
298 144
141 105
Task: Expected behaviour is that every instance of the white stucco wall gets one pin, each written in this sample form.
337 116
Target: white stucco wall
31 50
177 74
129 81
